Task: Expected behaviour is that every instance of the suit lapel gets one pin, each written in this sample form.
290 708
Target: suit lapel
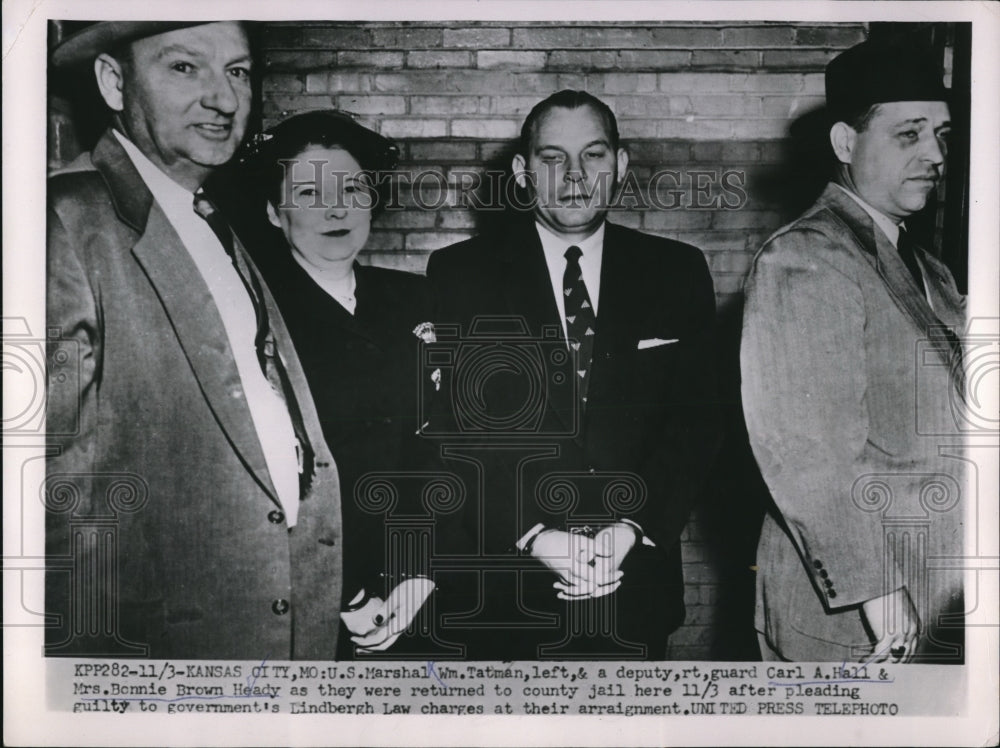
195 319
615 317
890 268
527 289
187 301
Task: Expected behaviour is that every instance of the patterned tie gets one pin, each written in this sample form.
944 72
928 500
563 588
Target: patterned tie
581 322
267 353
905 246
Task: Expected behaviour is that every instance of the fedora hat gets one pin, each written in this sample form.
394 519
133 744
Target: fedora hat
103 36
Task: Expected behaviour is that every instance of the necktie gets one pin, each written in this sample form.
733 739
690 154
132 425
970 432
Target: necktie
905 246
267 354
581 322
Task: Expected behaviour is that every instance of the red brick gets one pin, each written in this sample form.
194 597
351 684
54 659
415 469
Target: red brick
390 60
508 105
414 128
758 36
693 82
368 104
476 37
434 239
484 128
586 60
454 105
814 83
700 615
443 151
725 58
747 219
320 82
287 83
411 262
766 82
765 129
404 219
686 37
582 37
672 220
658 151
438 58
621 83
790 107
456 219
276 35
384 240
694 127
503 150
630 59
692 552
736 152
335 38
644 106
730 262
491 59
575 81
692 594
798 59
406 37
281 61
829 36
634 129
279 107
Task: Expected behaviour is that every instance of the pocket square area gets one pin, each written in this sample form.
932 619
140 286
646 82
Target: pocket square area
655 342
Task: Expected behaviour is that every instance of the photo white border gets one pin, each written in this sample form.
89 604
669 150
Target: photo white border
26 721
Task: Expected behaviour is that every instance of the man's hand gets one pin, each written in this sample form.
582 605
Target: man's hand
378 624
894 624
572 557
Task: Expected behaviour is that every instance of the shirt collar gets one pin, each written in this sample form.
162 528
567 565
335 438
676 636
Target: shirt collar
889 227
553 244
168 193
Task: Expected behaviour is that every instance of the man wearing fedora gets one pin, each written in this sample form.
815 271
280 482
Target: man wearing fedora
194 509
851 369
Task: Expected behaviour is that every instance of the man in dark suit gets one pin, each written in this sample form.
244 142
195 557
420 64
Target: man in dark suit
194 508
583 389
852 379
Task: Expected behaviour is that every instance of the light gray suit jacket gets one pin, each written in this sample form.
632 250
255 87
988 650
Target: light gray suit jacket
851 386
155 458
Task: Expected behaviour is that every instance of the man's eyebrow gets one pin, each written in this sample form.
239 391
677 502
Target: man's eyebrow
244 59
592 143
177 48
911 121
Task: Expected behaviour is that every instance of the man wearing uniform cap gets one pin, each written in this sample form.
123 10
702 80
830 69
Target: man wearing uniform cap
194 508
851 369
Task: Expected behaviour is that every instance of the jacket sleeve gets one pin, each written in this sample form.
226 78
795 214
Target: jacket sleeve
73 353
804 389
675 471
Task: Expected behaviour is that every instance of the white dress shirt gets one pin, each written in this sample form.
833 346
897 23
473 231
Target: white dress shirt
554 247
891 230
271 419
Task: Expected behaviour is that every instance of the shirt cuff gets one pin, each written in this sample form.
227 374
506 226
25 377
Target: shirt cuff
526 541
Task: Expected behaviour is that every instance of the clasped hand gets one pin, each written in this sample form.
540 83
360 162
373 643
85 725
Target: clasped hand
377 625
587 567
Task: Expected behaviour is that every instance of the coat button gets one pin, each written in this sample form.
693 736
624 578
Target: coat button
818 564
280 606
275 517
831 594
828 583
824 573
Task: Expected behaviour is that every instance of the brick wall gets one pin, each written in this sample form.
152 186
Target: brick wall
690 98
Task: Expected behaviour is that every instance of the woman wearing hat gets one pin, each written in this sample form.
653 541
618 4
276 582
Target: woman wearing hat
356 330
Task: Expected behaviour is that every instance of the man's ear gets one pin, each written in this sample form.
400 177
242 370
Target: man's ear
110 81
272 215
622 158
842 138
518 165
